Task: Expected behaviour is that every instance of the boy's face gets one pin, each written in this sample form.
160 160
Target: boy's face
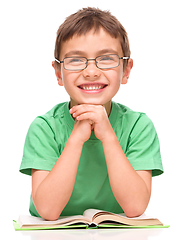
104 83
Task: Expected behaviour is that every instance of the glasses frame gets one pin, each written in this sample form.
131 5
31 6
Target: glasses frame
90 59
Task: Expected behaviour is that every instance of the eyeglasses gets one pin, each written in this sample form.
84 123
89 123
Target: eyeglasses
102 62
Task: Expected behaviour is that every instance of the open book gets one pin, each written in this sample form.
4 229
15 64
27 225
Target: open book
91 218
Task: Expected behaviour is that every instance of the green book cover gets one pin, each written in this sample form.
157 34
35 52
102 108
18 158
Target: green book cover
17 227
91 218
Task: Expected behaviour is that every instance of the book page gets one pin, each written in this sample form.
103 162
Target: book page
142 217
89 213
93 213
30 220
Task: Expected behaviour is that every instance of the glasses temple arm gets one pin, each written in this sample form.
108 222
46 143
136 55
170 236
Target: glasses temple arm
58 61
124 58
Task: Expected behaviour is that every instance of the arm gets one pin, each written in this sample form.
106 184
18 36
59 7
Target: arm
52 190
132 189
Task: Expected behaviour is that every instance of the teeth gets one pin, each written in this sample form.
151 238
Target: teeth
92 87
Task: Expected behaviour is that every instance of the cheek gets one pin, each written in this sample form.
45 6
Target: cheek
65 80
120 72
69 80
115 77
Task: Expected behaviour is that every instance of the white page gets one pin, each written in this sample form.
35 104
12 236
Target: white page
30 220
89 213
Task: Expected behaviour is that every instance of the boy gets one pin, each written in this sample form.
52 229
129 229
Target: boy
91 152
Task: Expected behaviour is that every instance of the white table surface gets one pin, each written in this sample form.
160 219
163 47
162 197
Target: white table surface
8 232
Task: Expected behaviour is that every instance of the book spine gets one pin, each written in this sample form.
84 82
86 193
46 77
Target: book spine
92 225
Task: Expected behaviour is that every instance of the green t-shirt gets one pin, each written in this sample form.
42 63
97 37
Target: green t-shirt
46 139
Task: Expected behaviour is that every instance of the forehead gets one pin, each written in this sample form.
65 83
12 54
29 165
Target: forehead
91 44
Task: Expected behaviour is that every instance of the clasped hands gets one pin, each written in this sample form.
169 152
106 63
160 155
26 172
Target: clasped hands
90 117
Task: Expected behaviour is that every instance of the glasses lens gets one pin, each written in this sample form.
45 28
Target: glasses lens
107 61
75 63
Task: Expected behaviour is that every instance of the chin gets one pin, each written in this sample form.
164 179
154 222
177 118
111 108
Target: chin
92 102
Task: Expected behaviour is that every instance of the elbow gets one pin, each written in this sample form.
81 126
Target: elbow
47 212
134 211
50 216
133 214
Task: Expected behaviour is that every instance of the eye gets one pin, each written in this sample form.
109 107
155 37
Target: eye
106 58
76 60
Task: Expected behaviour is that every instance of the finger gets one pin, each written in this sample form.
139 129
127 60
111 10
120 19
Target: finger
91 122
84 108
87 116
92 125
78 110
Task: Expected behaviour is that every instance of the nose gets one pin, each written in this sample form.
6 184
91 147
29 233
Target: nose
91 71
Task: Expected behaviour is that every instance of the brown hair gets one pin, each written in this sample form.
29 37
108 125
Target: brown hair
87 19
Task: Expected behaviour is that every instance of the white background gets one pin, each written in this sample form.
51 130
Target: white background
28 87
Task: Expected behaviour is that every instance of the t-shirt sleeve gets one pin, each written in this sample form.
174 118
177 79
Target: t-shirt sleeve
143 150
40 148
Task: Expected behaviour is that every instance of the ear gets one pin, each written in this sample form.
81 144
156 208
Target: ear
57 73
127 71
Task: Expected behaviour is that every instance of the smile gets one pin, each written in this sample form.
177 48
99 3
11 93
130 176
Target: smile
92 87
